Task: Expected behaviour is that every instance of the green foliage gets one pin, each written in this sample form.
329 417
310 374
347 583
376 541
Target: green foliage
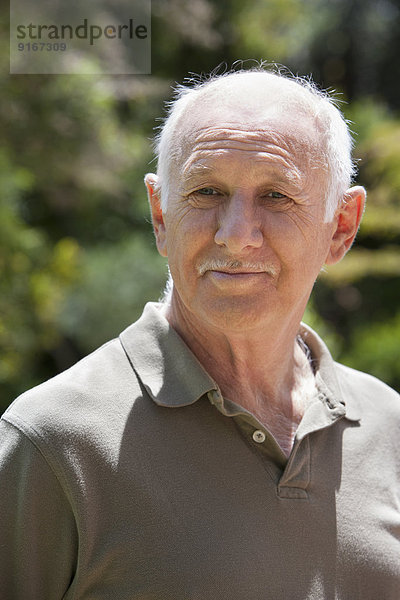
378 148
275 30
116 281
34 280
360 295
361 263
331 338
375 349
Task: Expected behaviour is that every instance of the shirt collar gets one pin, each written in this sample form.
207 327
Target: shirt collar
326 374
170 372
174 377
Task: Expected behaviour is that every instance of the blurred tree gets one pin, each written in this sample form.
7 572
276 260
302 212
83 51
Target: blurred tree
74 152
33 281
360 295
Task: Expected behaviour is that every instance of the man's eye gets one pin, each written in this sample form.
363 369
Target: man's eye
276 195
206 197
207 191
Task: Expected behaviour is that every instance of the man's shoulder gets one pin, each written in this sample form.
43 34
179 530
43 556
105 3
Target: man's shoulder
86 377
90 390
358 390
369 383
367 389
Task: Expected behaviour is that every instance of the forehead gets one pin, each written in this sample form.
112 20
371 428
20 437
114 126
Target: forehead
279 134
274 142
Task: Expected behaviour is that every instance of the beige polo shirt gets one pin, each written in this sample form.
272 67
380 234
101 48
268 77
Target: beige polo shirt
128 477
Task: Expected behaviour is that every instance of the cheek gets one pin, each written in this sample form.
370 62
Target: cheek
284 234
191 228
187 240
301 244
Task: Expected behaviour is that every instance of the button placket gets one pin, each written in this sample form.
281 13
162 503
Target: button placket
295 479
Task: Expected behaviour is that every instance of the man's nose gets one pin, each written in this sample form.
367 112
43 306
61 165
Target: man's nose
238 226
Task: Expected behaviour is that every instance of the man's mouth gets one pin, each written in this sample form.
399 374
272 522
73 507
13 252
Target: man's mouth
237 274
236 269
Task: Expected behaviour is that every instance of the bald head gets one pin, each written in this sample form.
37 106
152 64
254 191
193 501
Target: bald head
251 101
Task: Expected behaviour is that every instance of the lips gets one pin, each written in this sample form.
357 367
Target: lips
238 279
238 274
235 268
229 272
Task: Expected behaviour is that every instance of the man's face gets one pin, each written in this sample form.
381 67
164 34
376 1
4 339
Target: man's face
244 231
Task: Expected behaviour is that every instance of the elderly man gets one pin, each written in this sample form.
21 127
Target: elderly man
216 449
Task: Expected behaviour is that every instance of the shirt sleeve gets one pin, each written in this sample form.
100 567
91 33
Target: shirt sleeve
38 535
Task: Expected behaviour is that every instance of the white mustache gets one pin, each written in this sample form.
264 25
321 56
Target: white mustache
235 266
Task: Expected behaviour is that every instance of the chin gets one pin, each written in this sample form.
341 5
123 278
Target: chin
237 313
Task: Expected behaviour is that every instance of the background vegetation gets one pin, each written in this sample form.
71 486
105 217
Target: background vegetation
77 258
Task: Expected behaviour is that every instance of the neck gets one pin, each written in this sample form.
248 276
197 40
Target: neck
264 370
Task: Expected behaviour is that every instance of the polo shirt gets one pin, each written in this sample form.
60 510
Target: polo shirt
130 477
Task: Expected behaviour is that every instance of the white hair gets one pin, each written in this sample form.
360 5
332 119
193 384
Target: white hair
295 93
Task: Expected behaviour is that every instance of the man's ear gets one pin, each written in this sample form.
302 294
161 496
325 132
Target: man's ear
347 221
157 217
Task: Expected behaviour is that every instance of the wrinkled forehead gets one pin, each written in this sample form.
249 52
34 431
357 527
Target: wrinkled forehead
250 113
229 130
204 132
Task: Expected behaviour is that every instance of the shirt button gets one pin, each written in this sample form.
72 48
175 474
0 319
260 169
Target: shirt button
259 436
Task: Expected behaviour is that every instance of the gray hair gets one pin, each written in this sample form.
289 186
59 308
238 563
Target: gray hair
335 137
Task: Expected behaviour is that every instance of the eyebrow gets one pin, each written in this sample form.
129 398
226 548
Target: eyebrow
197 168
